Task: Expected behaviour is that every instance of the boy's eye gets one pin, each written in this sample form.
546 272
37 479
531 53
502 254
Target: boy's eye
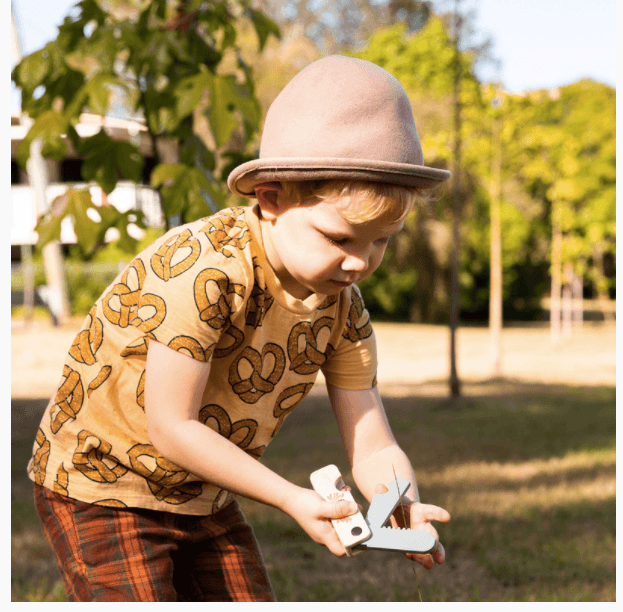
335 240
383 241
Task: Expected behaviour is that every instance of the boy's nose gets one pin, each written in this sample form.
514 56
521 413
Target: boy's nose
355 263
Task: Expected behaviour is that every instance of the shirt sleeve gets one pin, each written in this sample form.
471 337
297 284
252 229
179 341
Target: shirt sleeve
353 364
191 293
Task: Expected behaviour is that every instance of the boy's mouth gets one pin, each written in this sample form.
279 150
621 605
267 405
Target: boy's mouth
342 283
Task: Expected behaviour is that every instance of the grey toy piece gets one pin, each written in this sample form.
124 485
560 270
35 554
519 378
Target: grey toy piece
358 534
390 538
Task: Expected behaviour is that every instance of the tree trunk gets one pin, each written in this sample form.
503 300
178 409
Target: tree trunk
556 273
567 302
52 256
455 293
577 291
495 295
601 282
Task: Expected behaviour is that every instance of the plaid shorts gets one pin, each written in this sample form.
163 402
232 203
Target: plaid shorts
132 554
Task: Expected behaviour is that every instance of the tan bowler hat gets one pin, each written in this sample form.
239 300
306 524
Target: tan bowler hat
339 118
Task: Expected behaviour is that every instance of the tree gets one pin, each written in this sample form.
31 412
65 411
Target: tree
345 25
432 63
165 61
569 164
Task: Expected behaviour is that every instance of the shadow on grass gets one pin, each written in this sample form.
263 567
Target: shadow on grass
550 556
552 549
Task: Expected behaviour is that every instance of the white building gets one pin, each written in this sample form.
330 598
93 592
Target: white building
65 174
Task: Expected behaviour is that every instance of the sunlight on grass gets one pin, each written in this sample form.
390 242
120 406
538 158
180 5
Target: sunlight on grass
498 473
528 474
503 489
523 500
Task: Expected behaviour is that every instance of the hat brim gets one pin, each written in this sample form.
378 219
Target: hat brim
244 178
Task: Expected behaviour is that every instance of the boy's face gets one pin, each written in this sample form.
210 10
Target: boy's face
313 249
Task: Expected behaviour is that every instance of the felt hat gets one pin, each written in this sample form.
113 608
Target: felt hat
339 118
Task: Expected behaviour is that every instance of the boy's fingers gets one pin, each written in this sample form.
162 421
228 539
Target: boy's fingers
432 513
335 546
428 527
428 561
425 561
439 554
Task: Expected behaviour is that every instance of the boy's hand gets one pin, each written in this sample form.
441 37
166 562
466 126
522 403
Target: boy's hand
314 515
418 516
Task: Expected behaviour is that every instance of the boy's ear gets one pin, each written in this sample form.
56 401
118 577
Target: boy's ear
267 195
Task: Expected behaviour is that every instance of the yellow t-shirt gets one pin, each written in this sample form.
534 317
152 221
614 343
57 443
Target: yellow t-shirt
207 290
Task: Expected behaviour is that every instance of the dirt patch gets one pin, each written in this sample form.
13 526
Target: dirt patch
409 355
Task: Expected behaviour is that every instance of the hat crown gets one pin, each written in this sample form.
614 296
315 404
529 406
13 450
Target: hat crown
342 107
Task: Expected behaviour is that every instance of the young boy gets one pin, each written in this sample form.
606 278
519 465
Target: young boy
192 358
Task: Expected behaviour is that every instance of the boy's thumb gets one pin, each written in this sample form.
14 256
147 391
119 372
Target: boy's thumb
341 508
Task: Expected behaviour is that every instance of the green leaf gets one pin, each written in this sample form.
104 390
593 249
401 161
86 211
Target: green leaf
99 90
181 189
48 228
129 160
193 152
226 97
73 203
107 160
264 26
32 70
90 234
189 92
111 217
49 127
165 173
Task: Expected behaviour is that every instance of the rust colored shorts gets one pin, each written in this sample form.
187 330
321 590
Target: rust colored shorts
119 554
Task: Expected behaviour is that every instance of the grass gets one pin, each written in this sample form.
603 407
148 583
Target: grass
526 471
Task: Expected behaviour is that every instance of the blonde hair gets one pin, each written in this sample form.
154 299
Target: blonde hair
383 202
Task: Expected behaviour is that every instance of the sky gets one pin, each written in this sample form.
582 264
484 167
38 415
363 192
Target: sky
540 44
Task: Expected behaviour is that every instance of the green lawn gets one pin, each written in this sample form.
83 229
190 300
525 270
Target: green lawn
526 471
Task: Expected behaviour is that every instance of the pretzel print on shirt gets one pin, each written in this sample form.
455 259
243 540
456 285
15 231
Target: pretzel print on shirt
164 478
99 380
110 503
223 498
140 391
287 401
224 351
213 295
356 329
93 459
260 300
329 301
309 360
68 400
40 458
138 347
218 227
251 389
88 340
127 296
191 347
240 433
61 483
161 260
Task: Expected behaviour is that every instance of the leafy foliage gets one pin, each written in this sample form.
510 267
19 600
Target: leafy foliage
161 60
556 146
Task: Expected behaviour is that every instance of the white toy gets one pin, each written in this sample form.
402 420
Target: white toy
358 534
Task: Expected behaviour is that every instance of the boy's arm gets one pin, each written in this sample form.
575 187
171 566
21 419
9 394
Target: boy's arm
376 459
174 385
